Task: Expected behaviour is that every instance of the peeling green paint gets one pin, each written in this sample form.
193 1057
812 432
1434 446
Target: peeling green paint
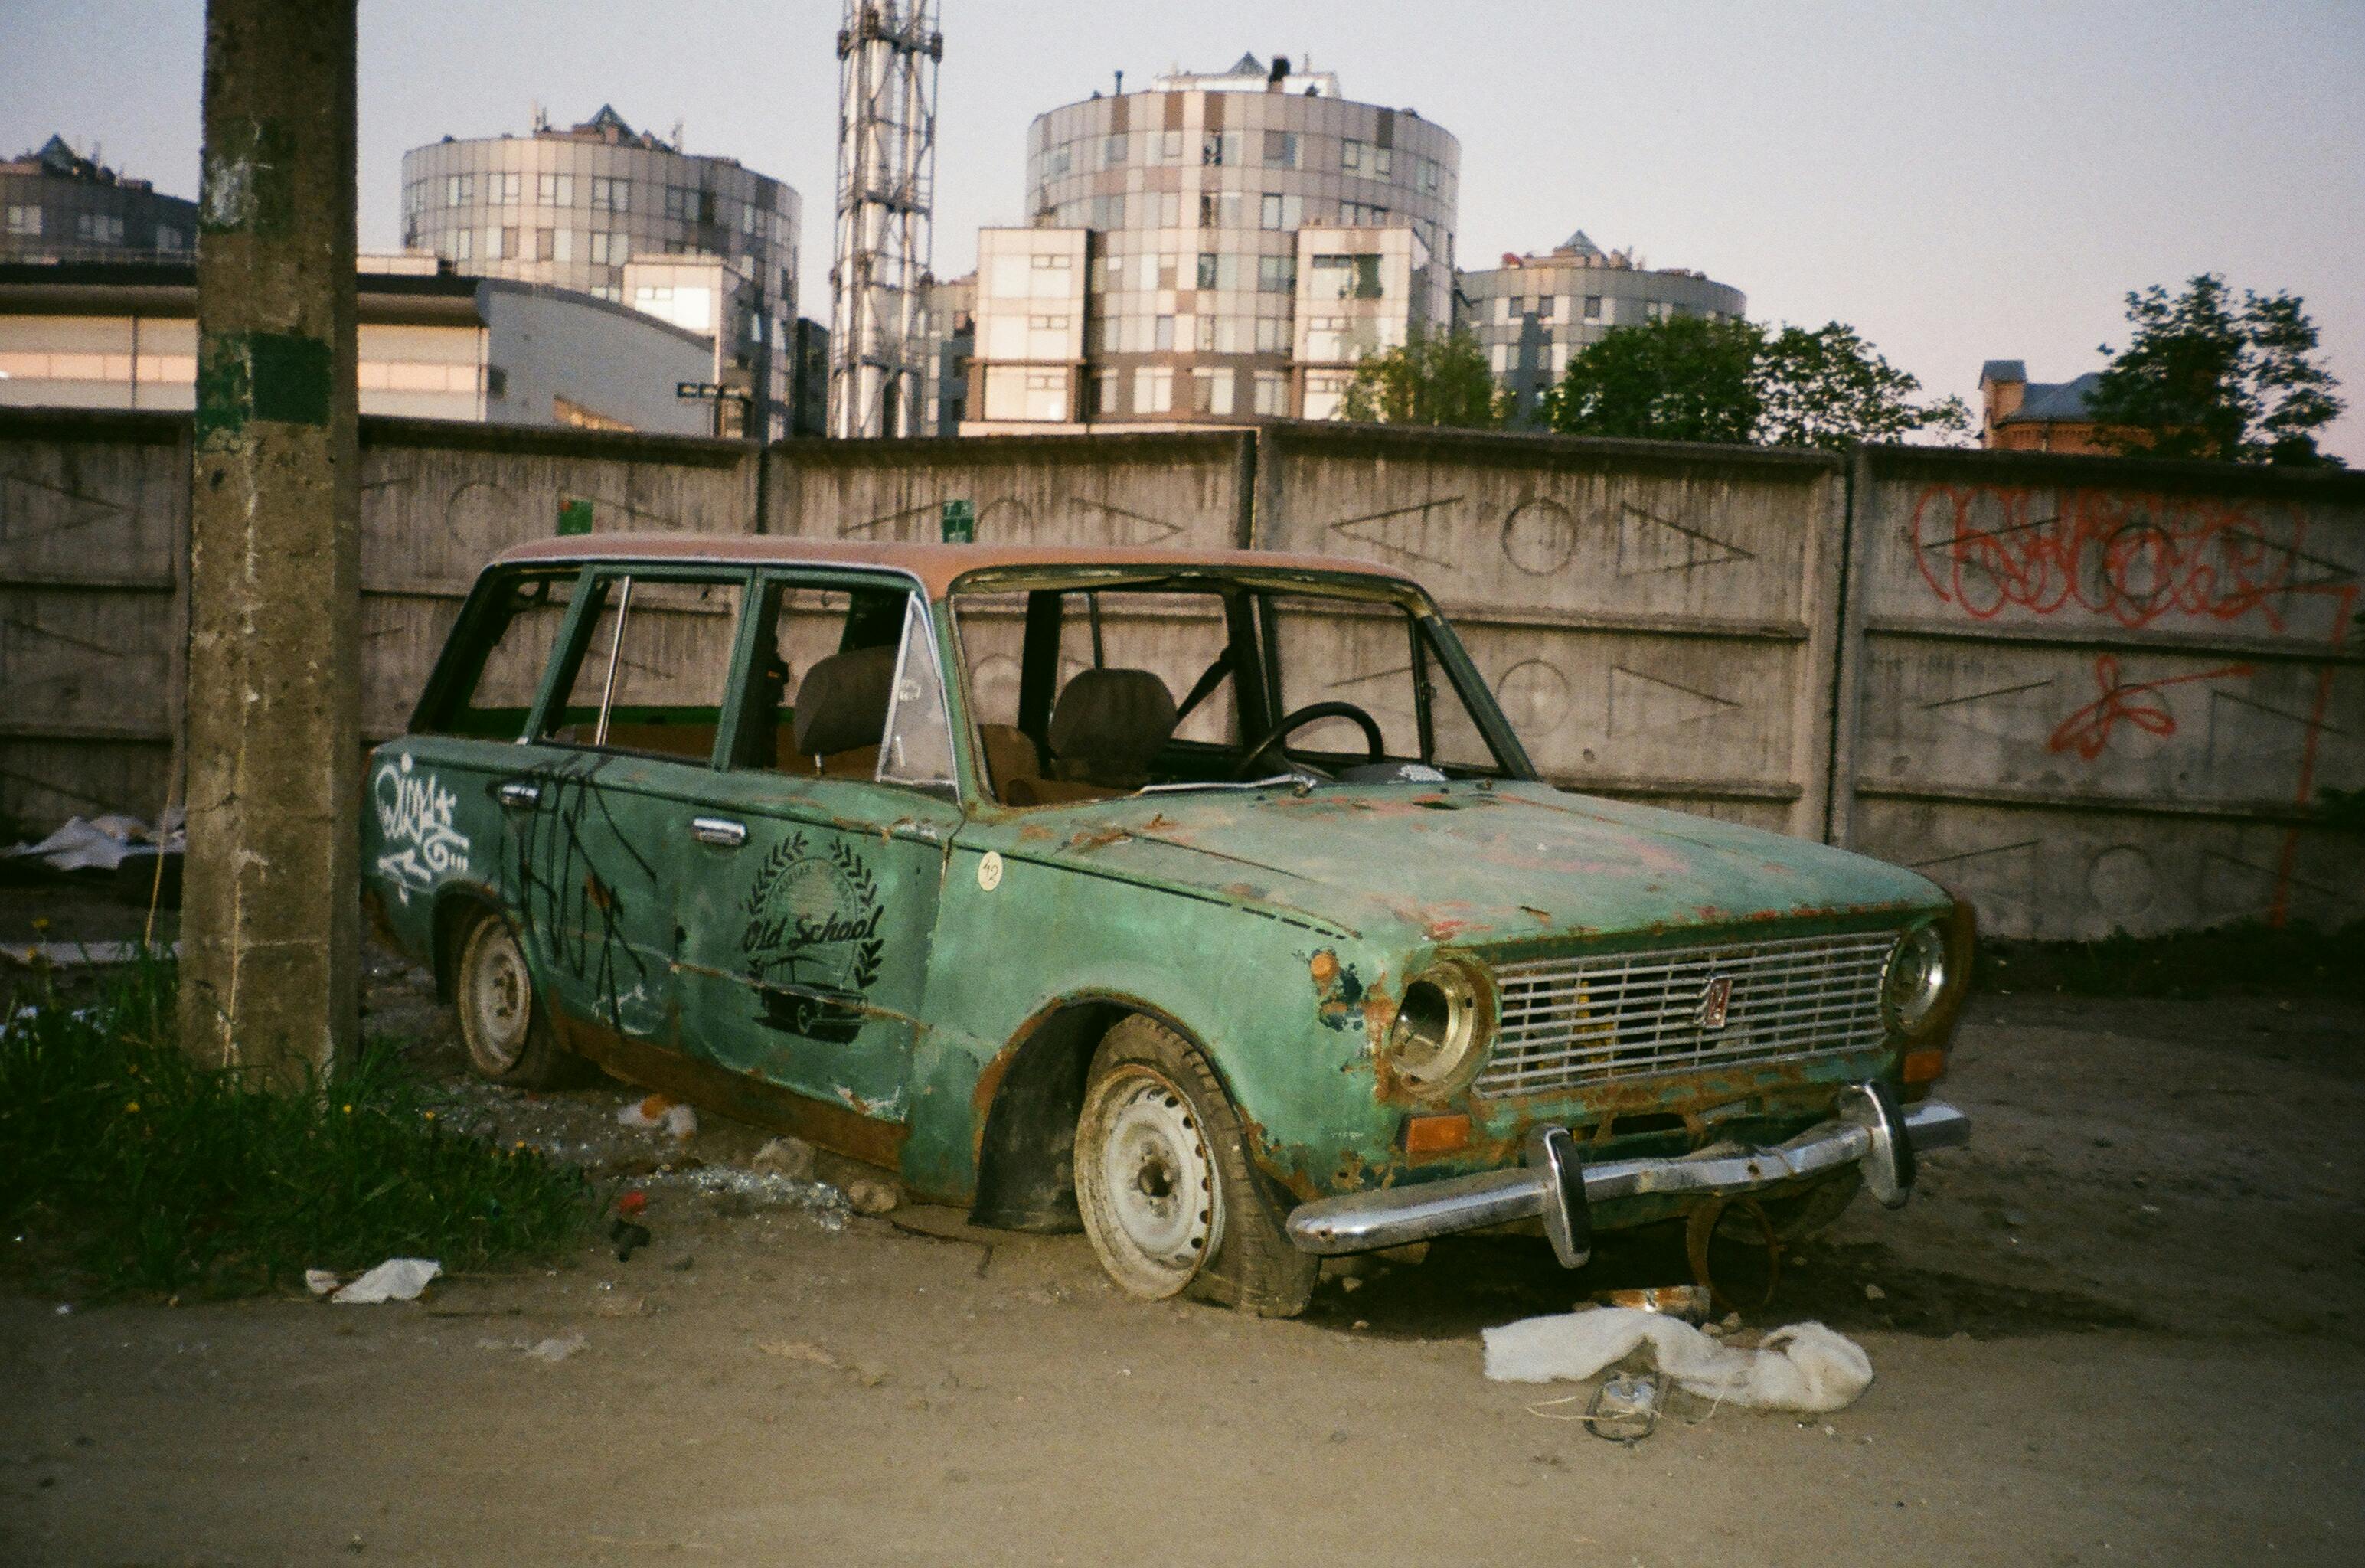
244 377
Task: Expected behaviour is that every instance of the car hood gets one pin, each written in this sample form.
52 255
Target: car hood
1470 865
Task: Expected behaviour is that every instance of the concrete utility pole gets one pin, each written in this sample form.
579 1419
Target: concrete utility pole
270 911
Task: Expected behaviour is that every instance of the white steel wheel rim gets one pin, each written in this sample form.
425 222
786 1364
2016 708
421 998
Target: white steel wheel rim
1155 1210
500 1002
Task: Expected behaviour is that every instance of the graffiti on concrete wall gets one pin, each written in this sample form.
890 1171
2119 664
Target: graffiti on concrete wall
2136 557
2112 562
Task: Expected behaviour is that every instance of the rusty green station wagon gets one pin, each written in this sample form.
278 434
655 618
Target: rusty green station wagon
1201 899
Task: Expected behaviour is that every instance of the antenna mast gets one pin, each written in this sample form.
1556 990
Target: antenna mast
887 55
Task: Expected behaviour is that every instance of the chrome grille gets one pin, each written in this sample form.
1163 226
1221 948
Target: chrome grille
1571 1022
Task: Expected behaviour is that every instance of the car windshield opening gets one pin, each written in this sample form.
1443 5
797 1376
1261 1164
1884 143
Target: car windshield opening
1097 690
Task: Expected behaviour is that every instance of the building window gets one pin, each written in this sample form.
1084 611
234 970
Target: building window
1272 393
1153 389
463 244
1351 155
493 241
1281 148
1101 392
1206 269
459 189
612 194
1503 307
1220 209
1276 274
1592 308
1361 215
1383 160
1113 152
170 239
562 245
1058 164
1048 323
1281 210
1502 358
1211 391
99 228
1052 260
1654 311
1548 308
1170 210
1211 150
1272 334
1170 146
1164 335
503 187
25 220
555 190
1347 277
609 250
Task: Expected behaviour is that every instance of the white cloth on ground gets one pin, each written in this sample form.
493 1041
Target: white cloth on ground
1804 1367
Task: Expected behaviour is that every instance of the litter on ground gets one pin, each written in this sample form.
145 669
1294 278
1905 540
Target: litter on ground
1804 1367
396 1279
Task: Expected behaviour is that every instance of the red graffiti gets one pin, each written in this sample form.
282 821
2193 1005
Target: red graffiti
2133 556
2088 731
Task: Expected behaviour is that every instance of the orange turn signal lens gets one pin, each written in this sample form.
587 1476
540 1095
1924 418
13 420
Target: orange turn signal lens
1925 1066
1436 1134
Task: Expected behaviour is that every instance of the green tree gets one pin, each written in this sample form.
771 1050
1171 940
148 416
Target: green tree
1830 388
1436 378
1693 378
2205 378
1680 378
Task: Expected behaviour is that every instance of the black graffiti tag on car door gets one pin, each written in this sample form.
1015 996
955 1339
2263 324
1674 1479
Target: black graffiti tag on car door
580 881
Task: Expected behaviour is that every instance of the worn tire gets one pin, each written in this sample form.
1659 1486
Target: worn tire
1154 1117
503 1023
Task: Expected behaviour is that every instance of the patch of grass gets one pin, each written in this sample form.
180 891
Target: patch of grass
139 1170
2248 958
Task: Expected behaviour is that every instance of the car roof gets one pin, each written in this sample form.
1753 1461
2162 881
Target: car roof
936 566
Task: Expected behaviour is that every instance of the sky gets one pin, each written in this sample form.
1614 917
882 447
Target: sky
1959 183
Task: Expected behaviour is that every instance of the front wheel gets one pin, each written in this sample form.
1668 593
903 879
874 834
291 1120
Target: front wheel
502 1021
1163 1179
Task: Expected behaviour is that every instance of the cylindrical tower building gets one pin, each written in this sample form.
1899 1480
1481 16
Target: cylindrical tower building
1250 234
574 207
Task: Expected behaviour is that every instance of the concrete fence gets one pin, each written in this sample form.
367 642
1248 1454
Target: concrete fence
2092 694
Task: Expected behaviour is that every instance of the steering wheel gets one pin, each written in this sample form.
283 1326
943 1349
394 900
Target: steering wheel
1298 718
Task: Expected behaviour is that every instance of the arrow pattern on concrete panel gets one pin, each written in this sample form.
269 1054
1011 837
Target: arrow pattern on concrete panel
1639 704
1649 543
22 496
2244 731
1399 530
1126 527
2010 723
2007 882
2231 888
909 525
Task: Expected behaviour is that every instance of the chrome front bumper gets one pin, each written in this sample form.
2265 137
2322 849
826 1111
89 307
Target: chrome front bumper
1869 1132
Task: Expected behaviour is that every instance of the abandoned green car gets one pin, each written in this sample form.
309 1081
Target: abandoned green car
1203 899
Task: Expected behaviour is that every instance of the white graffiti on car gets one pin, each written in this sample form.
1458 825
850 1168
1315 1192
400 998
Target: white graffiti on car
414 819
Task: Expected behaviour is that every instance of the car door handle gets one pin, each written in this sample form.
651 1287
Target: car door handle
717 830
521 792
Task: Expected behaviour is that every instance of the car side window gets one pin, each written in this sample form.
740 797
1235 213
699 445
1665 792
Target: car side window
486 684
918 749
649 676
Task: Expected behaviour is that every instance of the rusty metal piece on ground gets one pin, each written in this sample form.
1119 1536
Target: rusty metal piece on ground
1701 1229
1687 1303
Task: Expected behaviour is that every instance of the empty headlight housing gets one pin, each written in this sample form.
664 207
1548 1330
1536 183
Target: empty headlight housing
1442 1027
1915 978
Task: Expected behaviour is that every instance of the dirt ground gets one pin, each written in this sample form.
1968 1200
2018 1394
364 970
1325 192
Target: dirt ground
2122 1327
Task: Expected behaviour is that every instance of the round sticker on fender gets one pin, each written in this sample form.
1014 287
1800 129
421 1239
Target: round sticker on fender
989 870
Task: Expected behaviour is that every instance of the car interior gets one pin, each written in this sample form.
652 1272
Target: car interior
1072 687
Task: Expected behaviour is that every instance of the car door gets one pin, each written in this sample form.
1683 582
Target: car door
598 806
808 900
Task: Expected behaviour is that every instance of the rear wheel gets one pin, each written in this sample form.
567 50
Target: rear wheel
1169 1199
502 1021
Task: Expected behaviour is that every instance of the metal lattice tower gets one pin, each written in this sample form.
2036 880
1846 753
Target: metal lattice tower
887 56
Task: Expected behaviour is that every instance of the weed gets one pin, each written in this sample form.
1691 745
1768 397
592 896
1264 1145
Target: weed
140 1169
